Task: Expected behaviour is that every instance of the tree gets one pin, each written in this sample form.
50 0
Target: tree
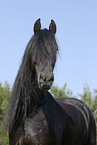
92 103
61 92
4 97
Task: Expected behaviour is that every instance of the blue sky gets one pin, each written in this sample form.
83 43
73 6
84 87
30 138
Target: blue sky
76 36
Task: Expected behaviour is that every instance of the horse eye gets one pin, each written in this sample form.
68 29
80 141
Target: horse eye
52 79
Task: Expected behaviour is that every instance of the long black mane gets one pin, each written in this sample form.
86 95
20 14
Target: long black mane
26 95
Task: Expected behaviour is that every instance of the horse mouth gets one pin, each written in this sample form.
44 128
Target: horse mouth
44 86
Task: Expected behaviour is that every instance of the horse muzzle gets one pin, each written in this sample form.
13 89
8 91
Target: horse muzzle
45 81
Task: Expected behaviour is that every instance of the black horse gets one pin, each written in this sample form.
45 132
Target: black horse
33 116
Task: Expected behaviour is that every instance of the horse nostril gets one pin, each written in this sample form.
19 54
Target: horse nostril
42 77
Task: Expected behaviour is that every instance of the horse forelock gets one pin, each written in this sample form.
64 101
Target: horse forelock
44 46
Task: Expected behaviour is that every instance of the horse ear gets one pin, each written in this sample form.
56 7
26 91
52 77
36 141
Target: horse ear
52 27
37 26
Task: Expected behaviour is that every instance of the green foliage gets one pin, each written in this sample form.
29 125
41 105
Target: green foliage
92 103
4 97
61 92
3 138
86 97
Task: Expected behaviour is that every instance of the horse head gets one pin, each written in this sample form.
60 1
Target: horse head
45 51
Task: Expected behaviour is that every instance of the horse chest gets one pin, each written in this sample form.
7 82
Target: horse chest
36 129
